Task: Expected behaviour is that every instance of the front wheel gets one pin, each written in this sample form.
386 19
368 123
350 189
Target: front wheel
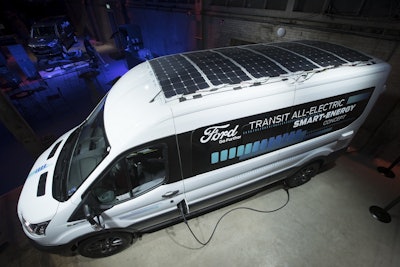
303 175
104 245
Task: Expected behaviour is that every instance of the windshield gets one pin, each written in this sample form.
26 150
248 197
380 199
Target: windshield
82 153
40 31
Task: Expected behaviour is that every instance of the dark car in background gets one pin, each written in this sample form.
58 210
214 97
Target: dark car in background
49 36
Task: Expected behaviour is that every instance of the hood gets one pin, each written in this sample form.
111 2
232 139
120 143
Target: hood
36 203
42 40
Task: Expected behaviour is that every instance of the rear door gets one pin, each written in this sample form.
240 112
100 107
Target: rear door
326 110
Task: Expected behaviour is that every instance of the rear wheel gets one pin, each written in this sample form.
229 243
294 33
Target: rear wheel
303 175
105 245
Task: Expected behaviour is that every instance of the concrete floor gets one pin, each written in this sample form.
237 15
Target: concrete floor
326 222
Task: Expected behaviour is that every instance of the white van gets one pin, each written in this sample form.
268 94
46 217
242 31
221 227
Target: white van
191 131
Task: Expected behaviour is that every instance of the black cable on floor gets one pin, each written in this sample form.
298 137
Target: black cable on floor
232 210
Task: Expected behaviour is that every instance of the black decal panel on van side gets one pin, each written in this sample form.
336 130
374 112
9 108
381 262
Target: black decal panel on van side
229 142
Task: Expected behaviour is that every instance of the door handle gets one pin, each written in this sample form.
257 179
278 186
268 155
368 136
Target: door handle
347 135
170 194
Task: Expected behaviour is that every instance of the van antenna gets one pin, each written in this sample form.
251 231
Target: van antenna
152 100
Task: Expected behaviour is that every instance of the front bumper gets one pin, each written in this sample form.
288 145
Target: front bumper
46 50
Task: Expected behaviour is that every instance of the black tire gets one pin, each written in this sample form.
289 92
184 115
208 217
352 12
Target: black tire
104 245
303 175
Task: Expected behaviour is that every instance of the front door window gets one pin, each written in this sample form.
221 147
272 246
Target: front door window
132 175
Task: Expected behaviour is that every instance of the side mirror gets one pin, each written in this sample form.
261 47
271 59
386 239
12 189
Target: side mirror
91 218
104 196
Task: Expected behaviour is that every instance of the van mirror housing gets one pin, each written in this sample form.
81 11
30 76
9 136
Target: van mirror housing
92 218
104 196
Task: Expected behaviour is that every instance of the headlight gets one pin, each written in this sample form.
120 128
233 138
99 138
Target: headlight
38 229
53 43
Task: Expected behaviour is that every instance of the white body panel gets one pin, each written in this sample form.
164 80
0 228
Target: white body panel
266 98
138 113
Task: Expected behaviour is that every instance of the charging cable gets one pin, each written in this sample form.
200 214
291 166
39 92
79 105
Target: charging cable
232 210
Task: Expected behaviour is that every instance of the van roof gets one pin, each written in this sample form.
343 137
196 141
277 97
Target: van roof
207 70
150 94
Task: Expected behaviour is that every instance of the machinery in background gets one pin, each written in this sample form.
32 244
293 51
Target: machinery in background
51 36
131 38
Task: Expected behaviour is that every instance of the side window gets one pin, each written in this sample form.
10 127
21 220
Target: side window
114 186
135 173
147 168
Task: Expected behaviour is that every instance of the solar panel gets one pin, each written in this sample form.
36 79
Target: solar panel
218 69
257 65
188 73
340 51
324 59
177 75
289 60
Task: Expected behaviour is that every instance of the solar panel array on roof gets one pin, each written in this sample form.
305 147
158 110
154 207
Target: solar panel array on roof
287 59
190 72
177 75
322 58
219 70
258 66
340 51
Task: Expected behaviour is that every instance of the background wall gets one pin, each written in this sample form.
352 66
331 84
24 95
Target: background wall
379 135
171 26
164 31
